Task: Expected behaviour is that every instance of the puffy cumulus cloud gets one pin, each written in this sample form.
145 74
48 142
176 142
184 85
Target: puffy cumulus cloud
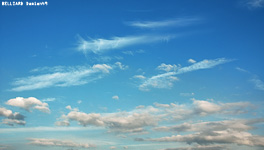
29 103
167 79
99 46
123 122
165 23
64 76
58 143
11 118
115 97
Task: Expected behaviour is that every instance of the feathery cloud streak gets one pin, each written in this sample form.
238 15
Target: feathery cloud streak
98 46
165 23
64 76
166 80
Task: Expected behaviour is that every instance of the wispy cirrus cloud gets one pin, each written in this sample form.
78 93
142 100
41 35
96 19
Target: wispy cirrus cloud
59 143
251 4
178 22
167 79
258 83
98 46
62 76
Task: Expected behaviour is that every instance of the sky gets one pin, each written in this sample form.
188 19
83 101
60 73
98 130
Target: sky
148 75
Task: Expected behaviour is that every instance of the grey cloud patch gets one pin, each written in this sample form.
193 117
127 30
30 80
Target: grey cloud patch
11 118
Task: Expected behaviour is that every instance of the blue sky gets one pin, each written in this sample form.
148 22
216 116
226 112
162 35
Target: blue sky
163 75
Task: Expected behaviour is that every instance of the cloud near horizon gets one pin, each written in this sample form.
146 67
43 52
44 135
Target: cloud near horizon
11 118
136 121
58 143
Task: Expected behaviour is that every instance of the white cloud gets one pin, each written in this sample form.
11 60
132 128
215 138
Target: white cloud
168 67
192 61
11 118
29 103
258 83
165 23
59 143
187 94
162 105
211 137
98 46
141 117
128 53
68 107
64 77
62 123
123 122
201 147
49 99
102 67
139 77
115 97
11 122
255 3
167 79
242 70
121 66
79 101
